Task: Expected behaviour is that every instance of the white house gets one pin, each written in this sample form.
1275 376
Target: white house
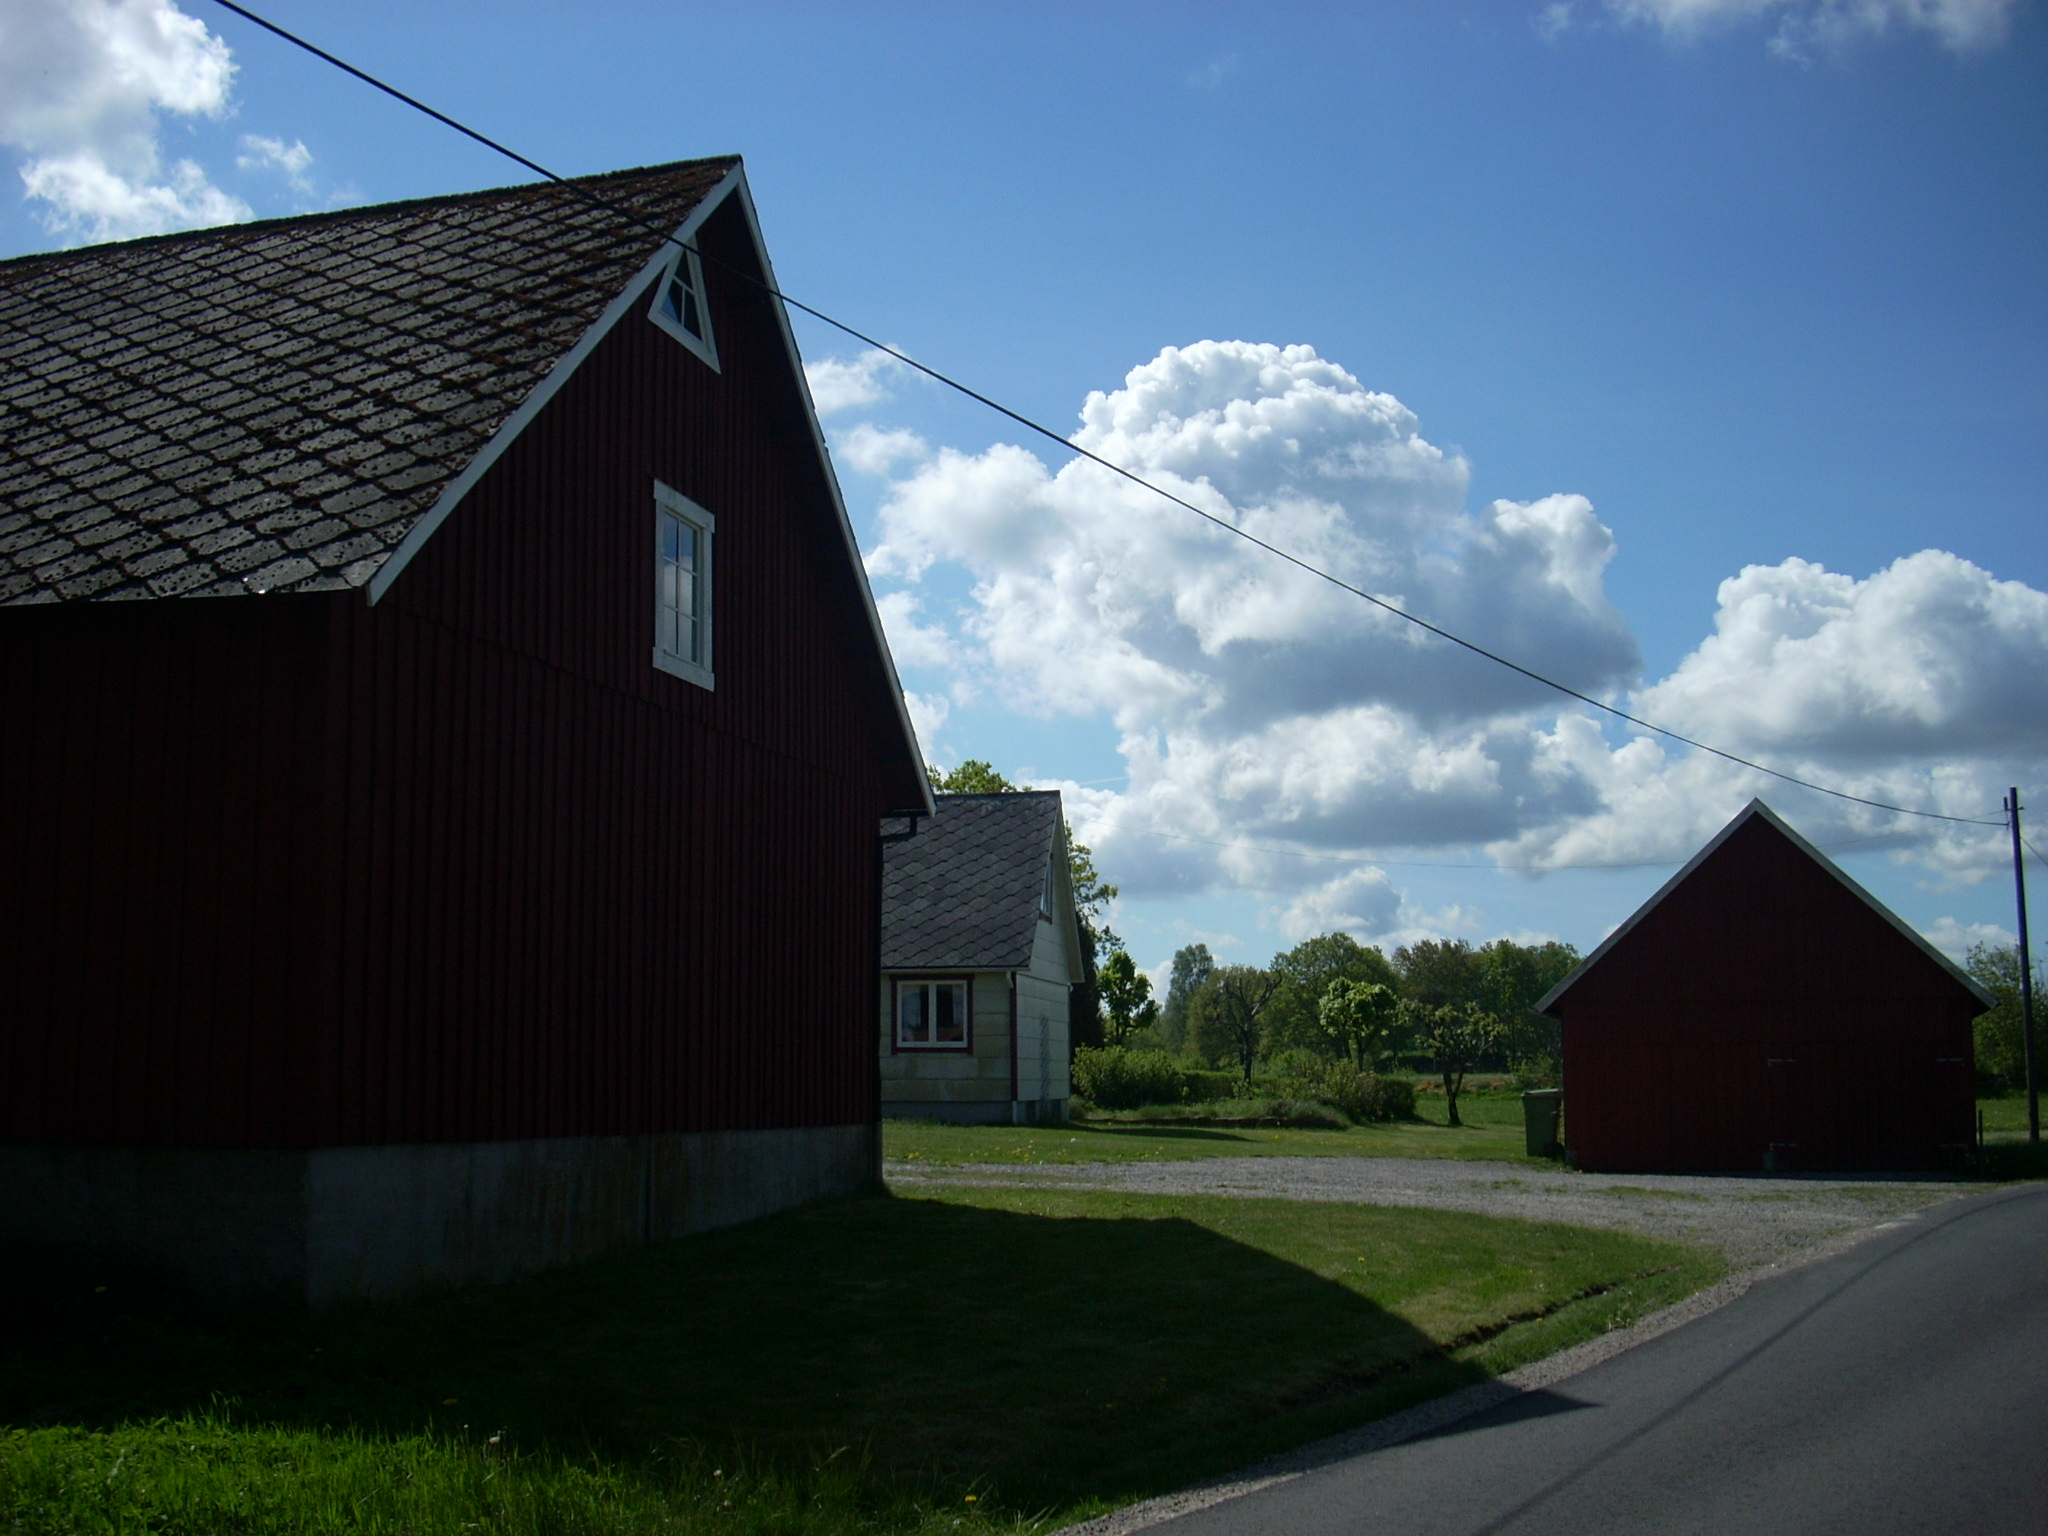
981 949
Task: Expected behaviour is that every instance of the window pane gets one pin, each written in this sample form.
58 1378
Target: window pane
951 998
911 1016
691 322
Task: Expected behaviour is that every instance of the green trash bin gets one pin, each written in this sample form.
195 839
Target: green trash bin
1539 1120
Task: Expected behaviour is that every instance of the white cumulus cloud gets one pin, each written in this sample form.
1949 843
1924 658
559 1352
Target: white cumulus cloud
1261 711
81 85
840 384
261 153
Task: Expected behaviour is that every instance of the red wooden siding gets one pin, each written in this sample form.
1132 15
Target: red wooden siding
464 865
1763 1003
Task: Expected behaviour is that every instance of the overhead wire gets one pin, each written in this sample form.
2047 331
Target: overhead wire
1049 434
1526 869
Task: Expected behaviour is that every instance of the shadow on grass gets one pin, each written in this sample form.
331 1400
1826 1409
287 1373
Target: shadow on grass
1045 1360
1159 1130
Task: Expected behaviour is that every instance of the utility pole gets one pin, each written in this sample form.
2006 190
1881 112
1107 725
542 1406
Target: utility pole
2019 880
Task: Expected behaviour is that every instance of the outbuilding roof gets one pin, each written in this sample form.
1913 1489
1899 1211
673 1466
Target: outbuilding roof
964 893
275 406
1757 810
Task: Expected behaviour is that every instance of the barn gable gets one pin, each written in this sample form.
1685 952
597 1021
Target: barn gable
1758 811
298 405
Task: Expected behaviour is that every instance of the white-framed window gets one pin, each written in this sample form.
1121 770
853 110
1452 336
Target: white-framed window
680 307
932 1013
682 586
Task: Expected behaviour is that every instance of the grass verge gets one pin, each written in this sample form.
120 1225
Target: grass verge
993 1358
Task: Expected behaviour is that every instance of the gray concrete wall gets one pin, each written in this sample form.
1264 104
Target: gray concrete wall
376 1223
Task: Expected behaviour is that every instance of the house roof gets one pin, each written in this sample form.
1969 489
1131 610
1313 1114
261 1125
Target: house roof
963 893
276 406
1755 810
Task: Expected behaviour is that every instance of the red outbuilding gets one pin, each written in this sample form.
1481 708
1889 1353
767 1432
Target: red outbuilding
1765 1012
443 730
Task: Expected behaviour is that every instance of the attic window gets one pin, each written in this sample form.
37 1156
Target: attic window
680 306
682 587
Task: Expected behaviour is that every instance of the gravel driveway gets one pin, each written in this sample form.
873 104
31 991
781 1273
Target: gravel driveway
1753 1221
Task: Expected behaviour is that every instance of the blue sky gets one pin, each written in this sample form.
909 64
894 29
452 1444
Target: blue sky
1608 305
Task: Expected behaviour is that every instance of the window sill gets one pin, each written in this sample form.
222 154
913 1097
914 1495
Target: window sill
688 671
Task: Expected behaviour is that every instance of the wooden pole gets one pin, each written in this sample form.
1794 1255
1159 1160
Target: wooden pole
2019 880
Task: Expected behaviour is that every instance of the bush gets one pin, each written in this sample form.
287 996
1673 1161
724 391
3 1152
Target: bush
1202 1087
1112 1077
1361 1095
1392 1098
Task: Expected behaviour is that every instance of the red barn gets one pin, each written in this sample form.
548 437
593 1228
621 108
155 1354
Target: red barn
1764 1011
443 729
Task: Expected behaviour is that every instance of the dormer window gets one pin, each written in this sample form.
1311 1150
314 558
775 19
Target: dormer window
680 307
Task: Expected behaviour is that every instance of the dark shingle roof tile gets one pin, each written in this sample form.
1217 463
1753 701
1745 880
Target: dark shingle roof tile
344 366
963 894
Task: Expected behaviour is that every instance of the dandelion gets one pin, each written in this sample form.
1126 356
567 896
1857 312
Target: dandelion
972 1498
449 1402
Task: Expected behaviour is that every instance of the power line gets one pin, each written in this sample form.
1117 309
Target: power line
1527 869
1049 434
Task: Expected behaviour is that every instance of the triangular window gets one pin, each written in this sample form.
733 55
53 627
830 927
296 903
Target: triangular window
680 306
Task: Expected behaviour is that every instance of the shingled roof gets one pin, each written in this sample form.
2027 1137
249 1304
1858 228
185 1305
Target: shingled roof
963 893
273 407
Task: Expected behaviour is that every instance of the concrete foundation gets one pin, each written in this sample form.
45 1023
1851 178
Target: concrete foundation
978 1111
375 1223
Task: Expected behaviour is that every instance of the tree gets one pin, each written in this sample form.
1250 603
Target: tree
2001 1051
1458 1036
1126 995
1438 972
1225 1017
1510 980
1306 973
1191 966
1355 1016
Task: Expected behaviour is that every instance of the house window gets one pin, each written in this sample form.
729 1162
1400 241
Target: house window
682 587
931 1013
680 308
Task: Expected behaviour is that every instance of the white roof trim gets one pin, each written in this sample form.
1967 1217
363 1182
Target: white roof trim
452 495
1758 808
734 181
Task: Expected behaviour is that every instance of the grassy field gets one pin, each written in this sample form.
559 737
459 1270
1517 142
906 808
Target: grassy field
886 1364
1492 1131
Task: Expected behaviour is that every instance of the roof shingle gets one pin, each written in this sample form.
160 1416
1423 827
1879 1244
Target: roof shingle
963 894
271 407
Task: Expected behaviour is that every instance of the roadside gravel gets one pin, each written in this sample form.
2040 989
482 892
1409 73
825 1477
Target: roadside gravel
1753 1221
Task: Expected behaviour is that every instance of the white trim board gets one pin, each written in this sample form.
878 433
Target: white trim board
1757 808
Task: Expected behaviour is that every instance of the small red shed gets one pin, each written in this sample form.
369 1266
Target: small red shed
1765 1012
443 730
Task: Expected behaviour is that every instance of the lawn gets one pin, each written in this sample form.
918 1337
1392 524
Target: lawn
885 1364
1492 1132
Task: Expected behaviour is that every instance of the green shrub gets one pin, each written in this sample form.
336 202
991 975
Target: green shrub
1112 1077
1361 1095
1200 1086
1392 1098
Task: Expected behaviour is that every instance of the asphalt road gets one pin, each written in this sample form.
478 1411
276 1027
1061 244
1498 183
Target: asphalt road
1900 1387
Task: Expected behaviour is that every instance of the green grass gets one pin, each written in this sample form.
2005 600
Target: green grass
2005 1116
1492 1132
881 1364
